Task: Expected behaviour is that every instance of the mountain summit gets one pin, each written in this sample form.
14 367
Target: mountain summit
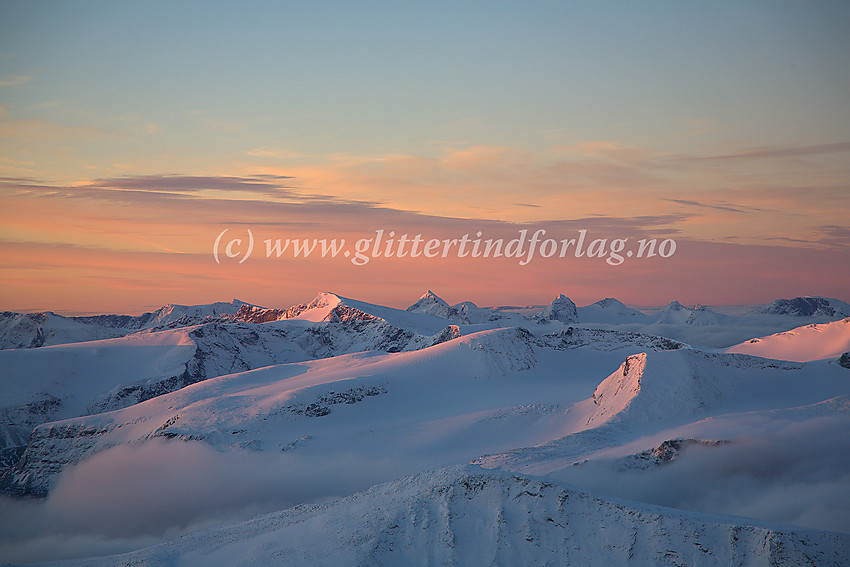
431 304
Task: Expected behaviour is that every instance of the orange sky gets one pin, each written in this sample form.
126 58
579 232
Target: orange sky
132 244
132 134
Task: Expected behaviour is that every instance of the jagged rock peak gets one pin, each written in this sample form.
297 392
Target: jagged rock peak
561 309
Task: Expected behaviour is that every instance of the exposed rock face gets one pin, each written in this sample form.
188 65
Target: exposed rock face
667 452
255 314
844 360
51 448
604 339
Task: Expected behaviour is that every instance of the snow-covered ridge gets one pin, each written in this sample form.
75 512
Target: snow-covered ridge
448 365
466 516
61 382
809 342
807 306
368 392
34 330
668 384
427 316
655 390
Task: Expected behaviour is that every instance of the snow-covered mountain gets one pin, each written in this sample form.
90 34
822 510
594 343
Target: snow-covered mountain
561 309
810 342
59 382
205 418
807 306
430 304
31 330
612 311
503 377
677 314
468 516
654 391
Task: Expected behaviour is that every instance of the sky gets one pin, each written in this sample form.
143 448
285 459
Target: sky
134 136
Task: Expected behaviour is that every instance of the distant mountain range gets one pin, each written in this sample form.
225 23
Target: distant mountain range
32 330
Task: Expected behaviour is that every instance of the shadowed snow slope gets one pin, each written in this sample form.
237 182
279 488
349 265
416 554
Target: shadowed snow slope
465 516
810 342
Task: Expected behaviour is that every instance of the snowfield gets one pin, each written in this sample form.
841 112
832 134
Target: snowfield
465 516
810 342
338 432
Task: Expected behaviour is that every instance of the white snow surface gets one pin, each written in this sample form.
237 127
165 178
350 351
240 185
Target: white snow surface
464 516
809 342
306 411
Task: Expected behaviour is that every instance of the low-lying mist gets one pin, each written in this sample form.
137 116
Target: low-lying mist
797 474
129 497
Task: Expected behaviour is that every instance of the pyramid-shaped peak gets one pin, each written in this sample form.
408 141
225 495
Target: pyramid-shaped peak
430 303
431 295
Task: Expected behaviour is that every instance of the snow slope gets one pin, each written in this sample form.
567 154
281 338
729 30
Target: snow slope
59 382
466 516
264 409
657 390
611 311
450 402
810 342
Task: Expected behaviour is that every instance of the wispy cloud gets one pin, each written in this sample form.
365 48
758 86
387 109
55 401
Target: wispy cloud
719 207
193 184
836 235
777 152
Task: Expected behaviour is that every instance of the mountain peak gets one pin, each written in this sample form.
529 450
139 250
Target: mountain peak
609 302
430 303
561 309
614 394
325 299
432 296
806 306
